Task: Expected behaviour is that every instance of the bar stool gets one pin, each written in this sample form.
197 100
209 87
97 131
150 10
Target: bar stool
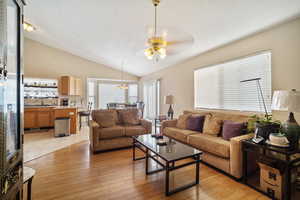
85 113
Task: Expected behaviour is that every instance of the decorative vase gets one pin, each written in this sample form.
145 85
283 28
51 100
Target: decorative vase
292 130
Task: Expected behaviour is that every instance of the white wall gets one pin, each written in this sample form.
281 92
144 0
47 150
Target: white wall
42 61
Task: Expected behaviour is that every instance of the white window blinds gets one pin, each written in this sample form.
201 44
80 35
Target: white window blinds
220 87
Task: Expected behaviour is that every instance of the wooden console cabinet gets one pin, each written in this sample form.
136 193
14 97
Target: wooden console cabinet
69 85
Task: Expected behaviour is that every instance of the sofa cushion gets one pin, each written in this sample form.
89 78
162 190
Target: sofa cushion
112 132
232 129
182 121
179 134
236 116
134 130
214 145
130 116
195 123
101 112
105 119
212 125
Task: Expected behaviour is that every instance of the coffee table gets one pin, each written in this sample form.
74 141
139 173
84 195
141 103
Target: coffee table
166 156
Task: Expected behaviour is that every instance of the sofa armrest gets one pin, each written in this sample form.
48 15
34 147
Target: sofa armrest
147 125
168 123
236 155
94 133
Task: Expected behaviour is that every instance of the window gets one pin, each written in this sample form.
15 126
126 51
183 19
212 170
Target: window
132 93
91 93
100 92
220 86
151 98
110 93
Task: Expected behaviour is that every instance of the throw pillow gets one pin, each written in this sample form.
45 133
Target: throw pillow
182 121
212 125
195 123
130 117
105 119
232 129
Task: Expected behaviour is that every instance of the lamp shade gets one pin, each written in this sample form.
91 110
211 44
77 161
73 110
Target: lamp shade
169 99
286 100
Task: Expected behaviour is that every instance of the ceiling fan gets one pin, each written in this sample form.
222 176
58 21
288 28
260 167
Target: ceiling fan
158 47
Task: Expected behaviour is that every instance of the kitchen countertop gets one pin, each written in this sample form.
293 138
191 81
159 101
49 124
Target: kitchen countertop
79 108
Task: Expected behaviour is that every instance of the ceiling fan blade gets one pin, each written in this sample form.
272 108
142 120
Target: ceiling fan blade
179 42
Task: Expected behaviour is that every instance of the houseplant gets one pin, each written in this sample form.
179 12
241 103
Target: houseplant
264 125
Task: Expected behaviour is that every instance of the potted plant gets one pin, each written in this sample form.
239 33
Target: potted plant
264 125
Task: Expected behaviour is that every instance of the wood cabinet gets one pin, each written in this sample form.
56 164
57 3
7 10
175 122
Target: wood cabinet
30 118
69 85
41 117
44 117
38 117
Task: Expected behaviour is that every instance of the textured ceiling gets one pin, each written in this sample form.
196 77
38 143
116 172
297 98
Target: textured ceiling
112 31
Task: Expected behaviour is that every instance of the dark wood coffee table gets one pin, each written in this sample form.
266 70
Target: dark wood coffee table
166 156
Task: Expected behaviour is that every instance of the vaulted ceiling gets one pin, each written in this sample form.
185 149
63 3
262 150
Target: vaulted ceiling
112 31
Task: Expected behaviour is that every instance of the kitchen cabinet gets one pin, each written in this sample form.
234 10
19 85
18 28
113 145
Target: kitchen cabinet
30 118
44 117
69 85
38 117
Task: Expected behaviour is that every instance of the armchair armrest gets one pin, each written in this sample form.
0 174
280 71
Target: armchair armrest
236 154
147 125
168 123
94 133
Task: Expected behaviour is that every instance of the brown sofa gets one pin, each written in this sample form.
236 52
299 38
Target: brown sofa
222 154
118 134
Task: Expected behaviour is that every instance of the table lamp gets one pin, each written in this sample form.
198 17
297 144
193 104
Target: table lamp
288 101
169 99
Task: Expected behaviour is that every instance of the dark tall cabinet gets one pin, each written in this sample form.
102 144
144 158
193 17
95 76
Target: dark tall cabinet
11 99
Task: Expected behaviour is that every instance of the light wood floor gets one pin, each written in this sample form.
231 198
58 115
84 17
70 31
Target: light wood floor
74 173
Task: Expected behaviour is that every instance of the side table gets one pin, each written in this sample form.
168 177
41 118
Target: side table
287 158
28 174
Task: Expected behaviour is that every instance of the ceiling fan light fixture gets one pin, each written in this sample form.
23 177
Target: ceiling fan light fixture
149 52
156 45
156 52
162 53
157 48
28 27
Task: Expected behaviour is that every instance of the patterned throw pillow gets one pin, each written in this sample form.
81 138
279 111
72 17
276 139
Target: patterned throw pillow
105 119
212 125
130 117
195 123
182 121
